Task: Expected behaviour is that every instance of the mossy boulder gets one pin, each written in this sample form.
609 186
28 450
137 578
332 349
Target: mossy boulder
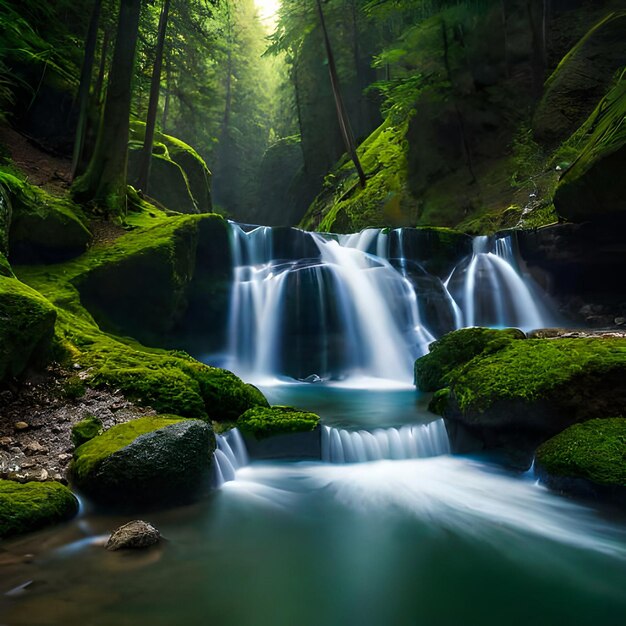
586 459
593 186
151 461
529 390
581 80
85 430
262 422
26 327
456 349
180 178
44 228
30 506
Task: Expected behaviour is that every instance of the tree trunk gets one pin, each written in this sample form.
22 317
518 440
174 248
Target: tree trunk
143 180
344 122
97 92
104 182
85 84
166 105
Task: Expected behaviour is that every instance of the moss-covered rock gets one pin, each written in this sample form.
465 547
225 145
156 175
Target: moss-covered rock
26 327
146 462
85 430
180 179
593 186
30 506
586 459
264 422
529 390
456 349
581 80
44 228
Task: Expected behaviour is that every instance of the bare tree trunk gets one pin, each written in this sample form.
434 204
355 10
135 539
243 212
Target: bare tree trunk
98 97
85 84
296 87
344 122
143 179
104 182
166 105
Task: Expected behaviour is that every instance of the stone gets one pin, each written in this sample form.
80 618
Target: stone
34 448
133 536
20 425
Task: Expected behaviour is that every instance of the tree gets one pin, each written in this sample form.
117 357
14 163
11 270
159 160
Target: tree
104 182
143 179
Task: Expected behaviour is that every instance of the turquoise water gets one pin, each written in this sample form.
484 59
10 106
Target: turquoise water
433 542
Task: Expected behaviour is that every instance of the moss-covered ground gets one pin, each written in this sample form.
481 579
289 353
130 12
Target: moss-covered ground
594 450
27 507
277 420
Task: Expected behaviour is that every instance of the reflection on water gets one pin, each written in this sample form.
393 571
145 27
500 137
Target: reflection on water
429 541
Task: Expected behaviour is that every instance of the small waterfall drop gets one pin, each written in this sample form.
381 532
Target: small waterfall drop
230 454
407 442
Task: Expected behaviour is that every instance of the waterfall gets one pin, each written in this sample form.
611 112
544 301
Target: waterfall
230 454
335 307
490 289
406 442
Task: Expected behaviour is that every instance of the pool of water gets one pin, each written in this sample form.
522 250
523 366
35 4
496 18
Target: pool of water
434 542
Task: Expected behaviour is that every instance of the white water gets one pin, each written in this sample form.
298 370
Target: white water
407 442
351 313
229 456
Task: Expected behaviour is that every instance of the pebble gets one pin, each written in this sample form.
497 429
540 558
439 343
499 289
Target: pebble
6 442
35 448
20 425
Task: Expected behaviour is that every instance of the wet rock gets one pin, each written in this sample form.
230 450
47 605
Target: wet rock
132 536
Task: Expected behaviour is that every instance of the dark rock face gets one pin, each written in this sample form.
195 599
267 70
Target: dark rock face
582 266
305 445
133 536
581 80
169 465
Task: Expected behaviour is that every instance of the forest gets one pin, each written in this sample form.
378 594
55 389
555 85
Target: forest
312 312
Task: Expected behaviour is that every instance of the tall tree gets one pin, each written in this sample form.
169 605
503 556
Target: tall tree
143 179
104 182
85 84
342 114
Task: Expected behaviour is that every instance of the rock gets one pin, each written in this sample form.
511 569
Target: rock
529 390
27 475
64 457
134 535
581 80
26 327
35 448
586 459
86 429
6 442
27 507
20 425
151 461
262 422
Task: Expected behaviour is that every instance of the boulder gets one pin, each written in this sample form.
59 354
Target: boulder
586 459
526 391
262 422
135 535
151 461
44 228
593 187
581 80
26 327
33 505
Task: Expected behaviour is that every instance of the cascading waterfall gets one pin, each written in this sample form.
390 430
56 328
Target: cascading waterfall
407 442
313 306
230 455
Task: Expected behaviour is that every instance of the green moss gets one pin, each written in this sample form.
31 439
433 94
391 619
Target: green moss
74 387
27 507
594 450
455 349
533 369
85 430
277 420
93 452
44 228
26 326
